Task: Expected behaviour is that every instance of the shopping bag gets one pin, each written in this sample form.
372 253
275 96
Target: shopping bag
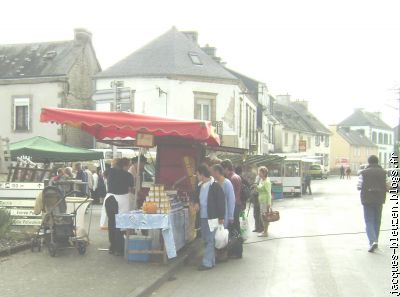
221 237
244 226
271 216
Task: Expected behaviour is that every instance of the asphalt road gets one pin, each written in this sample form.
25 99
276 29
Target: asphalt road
318 248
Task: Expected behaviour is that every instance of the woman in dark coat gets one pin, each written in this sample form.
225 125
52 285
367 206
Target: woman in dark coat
211 204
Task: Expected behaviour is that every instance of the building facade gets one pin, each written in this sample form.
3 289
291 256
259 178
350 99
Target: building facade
350 148
375 129
46 74
173 76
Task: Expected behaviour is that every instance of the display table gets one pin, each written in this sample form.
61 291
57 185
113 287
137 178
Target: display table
142 221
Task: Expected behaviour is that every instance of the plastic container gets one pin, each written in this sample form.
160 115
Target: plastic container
139 243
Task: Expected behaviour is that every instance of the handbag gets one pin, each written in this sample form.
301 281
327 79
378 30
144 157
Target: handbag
271 216
221 237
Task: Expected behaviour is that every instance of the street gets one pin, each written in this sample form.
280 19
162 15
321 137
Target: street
318 248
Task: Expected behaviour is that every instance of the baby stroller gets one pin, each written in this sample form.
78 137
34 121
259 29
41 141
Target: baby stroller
58 228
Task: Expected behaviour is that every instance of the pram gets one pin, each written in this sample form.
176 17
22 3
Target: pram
58 228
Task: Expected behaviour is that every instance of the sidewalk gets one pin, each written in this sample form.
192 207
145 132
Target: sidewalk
68 274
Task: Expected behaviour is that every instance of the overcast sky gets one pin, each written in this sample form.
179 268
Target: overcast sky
338 55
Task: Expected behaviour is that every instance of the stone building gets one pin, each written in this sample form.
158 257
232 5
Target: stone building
46 74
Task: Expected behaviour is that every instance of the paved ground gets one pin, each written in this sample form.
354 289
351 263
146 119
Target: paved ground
95 274
294 262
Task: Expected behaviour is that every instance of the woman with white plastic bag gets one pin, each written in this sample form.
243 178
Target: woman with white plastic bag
210 201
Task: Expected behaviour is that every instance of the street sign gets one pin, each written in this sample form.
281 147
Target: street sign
17 203
27 222
25 186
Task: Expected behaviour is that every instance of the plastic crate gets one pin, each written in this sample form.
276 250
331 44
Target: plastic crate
139 244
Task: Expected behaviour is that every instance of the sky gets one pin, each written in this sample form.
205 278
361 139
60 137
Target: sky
338 55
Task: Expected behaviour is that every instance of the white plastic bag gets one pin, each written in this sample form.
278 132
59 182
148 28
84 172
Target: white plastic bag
221 237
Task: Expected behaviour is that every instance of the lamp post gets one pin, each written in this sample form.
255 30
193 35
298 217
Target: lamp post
115 84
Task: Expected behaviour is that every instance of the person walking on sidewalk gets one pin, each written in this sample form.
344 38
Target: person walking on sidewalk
348 173
372 186
265 197
210 201
342 170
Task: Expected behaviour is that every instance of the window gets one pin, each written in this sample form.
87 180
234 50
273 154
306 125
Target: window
286 139
21 114
390 139
204 106
327 141
294 140
317 140
380 138
203 110
374 137
195 58
385 139
309 142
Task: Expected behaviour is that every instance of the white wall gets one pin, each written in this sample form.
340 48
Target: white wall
384 150
42 95
180 102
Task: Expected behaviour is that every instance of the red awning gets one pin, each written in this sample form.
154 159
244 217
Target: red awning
104 125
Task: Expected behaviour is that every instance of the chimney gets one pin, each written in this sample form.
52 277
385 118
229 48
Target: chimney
210 50
82 36
283 99
303 103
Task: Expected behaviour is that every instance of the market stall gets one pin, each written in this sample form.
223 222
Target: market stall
180 148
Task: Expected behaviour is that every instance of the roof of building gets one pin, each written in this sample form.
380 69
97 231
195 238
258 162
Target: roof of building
250 83
169 55
355 138
43 59
298 118
364 118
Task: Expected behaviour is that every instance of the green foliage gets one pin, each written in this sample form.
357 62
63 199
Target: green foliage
5 222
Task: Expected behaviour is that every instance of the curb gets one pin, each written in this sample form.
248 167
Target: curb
15 249
173 267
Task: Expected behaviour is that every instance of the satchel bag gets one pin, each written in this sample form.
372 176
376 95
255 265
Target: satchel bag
271 216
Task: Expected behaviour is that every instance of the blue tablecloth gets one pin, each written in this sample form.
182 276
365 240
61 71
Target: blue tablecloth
135 220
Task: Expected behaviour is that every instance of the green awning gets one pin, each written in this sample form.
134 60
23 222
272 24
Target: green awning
254 160
41 149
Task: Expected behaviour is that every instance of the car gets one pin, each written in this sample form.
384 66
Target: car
318 171
362 167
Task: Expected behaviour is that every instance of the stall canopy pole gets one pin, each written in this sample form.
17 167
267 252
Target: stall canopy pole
138 177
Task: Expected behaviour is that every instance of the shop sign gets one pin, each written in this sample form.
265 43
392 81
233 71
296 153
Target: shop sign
144 140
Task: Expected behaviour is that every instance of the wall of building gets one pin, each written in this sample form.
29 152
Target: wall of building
384 150
179 102
340 148
41 95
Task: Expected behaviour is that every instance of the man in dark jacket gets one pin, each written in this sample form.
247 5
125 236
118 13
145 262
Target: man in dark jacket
372 184
210 201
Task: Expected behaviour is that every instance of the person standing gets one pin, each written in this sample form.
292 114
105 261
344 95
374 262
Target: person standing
265 197
210 201
237 188
217 172
90 181
82 176
372 186
307 184
348 173
342 172
138 180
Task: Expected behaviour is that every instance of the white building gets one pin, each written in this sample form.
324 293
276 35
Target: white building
46 74
372 126
299 133
172 76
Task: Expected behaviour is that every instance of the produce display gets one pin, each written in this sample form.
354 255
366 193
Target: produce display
161 201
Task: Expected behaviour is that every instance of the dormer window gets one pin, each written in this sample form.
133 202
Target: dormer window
195 58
